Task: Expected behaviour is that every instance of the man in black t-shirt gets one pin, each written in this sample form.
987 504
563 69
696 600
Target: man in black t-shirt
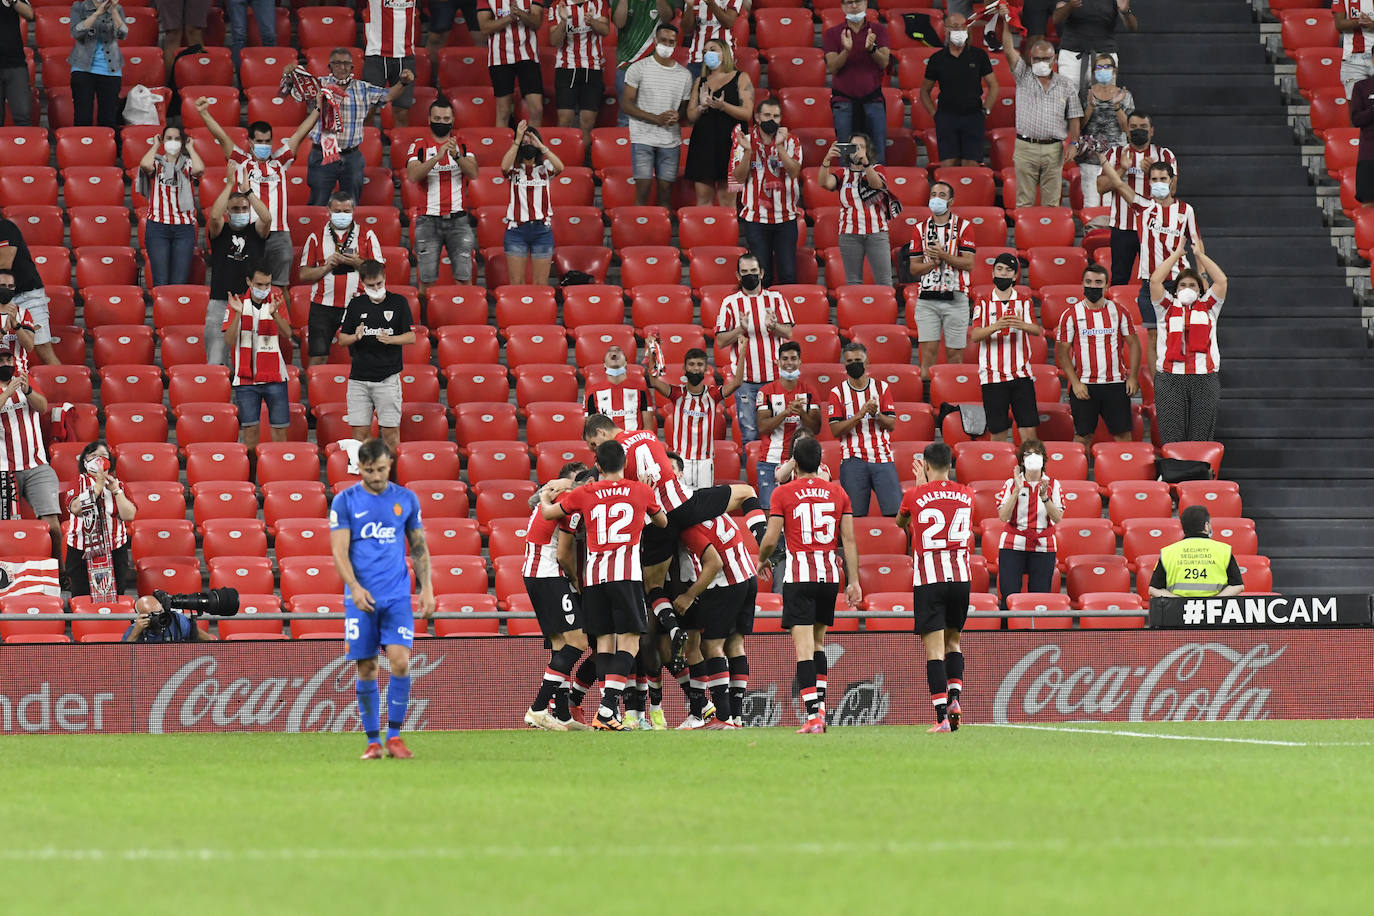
237 243
28 288
15 95
376 328
961 115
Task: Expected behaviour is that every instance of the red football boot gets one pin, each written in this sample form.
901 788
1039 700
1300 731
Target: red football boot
953 715
395 747
373 752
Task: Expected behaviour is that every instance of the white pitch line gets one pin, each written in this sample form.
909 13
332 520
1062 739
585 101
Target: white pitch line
1163 737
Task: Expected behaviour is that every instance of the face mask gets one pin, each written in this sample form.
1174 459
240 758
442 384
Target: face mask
239 220
695 378
1034 462
711 59
259 295
790 375
440 129
6 295
938 206
1103 75
171 147
958 37
856 17
262 150
768 128
528 151
341 220
1093 293
6 373
617 373
376 295
664 51
1159 189
1187 295
1003 283
750 282
97 465
1139 137
855 370
1041 68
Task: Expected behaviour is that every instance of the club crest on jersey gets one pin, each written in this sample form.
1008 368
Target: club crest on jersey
387 314
396 509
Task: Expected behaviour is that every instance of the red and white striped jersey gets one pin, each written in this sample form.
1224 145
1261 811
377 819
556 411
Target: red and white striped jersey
737 559
692 432
1095 337
444 183
530 201
1127 163
21 436
389 28
257 357
941 527
613 513
754 357
1360 40
1029 527
9 334
1006 354
163 200
622 403
268 177
811 510
541 548
775 397
1188 336
645 456
1162 229
867 440
709 27
517 41
770 195
336 290
80 496
858 217
581 48
955 237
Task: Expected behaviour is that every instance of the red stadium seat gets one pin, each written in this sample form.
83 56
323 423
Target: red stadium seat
1317 68
182 345
805 107
420 383
223 499
287 461
54 264
442 498
476 382
26 538
511 501
653 304
95 624
648 264
1137 499
640 226
887 342
130 384
325 27
485 422
578 226
954 384
525 305
553 421
215 461
973 185
466 603
1106 573
176 574
304 575
1210 452
417 461
495 460
1238 532
535 344
592 304
135 423
116 343
713 264
551 382
1142 536
247 625
450 536
784 28
225 537
326 384
1255 572
115 305
447 305
879 535
868 305
1056 265
41 223
302 537
174 305
810 303
144 462
487 144
263 66
206 422
1037 602
197 383
795 67
572 187
1083 535
28 146
1307 28
28 184
593 260
1221 498
424 419
153 499
29 618
975 461
1330 111
328 622
1113 461
549 457
93 185
909 185
884 572
291 499
457 574
507 537
819 342
467 344
1036 227
712 226
81 146
107 264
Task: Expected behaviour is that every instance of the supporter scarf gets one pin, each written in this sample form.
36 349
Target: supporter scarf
1188 330
992 30
766 152
300 85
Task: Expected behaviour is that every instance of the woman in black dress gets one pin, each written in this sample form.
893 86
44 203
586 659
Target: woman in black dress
721 100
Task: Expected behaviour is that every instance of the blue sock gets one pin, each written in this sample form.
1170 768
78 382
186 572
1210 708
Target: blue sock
369 708
397 699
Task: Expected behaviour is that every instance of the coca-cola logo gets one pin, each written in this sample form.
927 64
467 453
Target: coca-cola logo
1174 689
325 701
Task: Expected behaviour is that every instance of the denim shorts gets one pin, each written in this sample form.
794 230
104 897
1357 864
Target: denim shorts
659 162
529 240
250 399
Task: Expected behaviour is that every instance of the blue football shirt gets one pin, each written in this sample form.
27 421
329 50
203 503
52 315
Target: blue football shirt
377 524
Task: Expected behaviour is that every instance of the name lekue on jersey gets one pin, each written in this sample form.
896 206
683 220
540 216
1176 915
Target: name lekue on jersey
1263 611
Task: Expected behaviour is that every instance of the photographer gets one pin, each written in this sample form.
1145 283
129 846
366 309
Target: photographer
863 209
158 624
99 530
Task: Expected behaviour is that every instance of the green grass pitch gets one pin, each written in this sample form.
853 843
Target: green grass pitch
860 820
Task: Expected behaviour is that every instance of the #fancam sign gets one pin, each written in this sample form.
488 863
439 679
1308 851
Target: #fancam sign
1262 611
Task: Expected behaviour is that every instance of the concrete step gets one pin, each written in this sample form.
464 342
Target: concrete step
1320 575
1283 502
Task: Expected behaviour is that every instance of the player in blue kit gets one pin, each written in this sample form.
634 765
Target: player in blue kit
366 522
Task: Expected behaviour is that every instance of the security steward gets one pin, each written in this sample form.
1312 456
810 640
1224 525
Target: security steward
1197 566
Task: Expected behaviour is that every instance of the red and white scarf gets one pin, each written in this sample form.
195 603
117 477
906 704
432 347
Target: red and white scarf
992 30
300 85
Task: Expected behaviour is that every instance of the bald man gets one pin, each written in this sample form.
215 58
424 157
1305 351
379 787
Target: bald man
183 628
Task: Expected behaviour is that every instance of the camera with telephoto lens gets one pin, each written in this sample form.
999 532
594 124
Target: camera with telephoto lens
220 602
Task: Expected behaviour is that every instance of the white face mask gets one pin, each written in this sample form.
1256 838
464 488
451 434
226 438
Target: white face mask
1187 296
1041 68
790 375
1034 462
1159 189
938 205
341 220
664 51
171 147
259 294
376 295
958 37
856 17
616 373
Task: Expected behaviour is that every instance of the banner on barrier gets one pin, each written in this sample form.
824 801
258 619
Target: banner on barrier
1306 610
875 679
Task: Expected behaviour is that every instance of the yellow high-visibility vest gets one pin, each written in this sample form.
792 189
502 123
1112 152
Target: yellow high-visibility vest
1196 567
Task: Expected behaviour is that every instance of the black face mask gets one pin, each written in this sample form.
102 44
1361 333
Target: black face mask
695 378
528 152
1093 293
1003 283
855 370
768 128
1139 137
440 130
6 295
6 373
750 282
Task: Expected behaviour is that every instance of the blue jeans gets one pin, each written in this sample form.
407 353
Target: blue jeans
622 119
264 11
874 113
250 398
169 252
1014 566
861 478
768 481
347 173
746 410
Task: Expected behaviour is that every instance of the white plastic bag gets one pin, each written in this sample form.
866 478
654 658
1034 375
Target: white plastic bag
141 107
